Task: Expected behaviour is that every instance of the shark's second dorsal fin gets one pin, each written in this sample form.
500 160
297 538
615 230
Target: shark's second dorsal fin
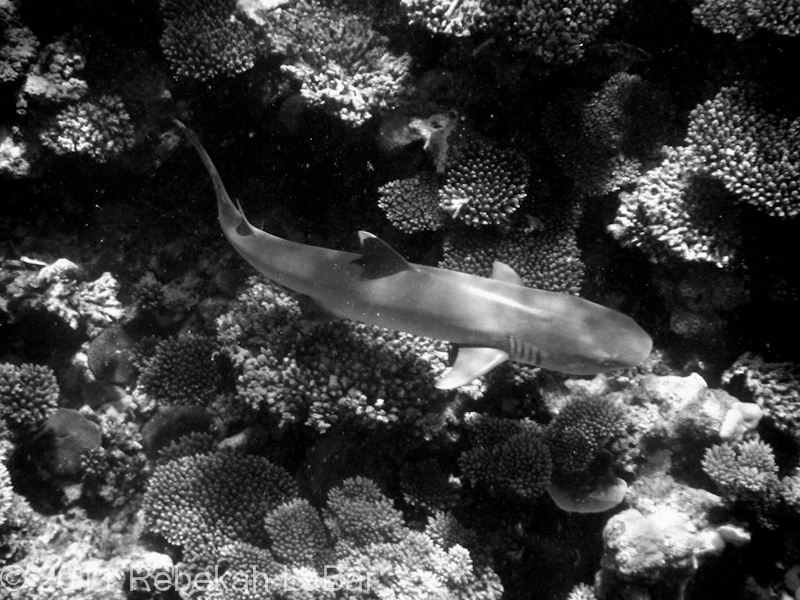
378 258
470 364
502 272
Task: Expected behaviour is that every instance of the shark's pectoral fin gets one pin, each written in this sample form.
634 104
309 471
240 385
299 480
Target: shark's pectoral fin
312 310
502 272
470 364
378 258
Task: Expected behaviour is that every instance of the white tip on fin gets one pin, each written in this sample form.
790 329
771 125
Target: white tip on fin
470 364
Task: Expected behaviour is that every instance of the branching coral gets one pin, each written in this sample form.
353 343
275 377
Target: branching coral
747 475
205 39
752 149
746 18
600 139
99 129
57 77
552 30
344 64
775 387
678 212
182 370
413 204
545 254
508 457
298 535
585 439
484 184
18 47
327 373
204 502
28 395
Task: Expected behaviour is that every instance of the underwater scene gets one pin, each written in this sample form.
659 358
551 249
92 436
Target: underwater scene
399 299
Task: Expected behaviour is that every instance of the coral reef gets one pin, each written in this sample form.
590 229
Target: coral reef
413 204
600 139
344 65
508 457
100 129
753 149
203 40
181 371
746 19
205 501
484 184
28 396
322 374
679 213
544 254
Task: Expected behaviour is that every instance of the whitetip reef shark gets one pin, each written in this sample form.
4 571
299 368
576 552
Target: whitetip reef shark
491 319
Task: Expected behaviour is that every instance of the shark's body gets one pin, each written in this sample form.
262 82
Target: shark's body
492 320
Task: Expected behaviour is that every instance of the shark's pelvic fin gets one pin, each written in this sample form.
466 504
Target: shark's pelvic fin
470 364
313 310
378 258
502 272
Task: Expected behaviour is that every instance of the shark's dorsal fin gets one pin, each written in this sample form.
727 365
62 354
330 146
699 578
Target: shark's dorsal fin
502 272
378 258
470 364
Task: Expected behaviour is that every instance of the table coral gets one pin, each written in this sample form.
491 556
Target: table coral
678 212
746 18
297 535
413 204
484 183
752 148
601 138
327 373
345 66
205 39
28 396
100 129
181 370
203 502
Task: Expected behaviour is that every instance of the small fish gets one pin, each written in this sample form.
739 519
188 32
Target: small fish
492 320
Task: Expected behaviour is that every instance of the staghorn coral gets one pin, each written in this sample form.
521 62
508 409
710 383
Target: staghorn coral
508 457
601 138
206 501
484 184
204 39
322 374
28 396
545 255
678 212
753 149
343 63
775 387
100 129
182 371
413 204
746 18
